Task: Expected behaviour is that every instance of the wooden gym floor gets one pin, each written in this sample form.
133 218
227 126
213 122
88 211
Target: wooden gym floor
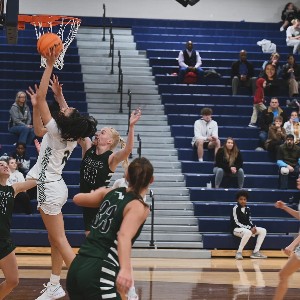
177 279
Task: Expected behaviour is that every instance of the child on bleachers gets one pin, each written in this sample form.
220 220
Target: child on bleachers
23 161
243 227
258 102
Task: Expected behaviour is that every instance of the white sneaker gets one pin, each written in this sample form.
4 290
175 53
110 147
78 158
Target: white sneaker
281 28
239 256
51 292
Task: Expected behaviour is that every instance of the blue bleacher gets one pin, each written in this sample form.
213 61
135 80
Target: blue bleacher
183 104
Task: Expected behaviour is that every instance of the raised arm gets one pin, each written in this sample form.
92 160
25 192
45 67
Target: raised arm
56 87
38 125
92 199
122 154
43 88
85 144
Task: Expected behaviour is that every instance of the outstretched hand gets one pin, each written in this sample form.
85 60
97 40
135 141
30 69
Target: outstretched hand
279 204
32 93
55 86
135 116
51 56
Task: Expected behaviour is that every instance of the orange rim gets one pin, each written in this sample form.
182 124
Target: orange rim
44 20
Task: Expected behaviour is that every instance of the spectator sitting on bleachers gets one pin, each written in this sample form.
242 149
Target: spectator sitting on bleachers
23 161
293 36
274 60
291 74
205 133
288 161
267 118
276 137
258 101
242 74
229 161
292 126
20 120
289 13
22 200
272 87
189 60
243 227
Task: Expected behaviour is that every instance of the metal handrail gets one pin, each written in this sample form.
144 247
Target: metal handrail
121 91
103 20
152 244
120 70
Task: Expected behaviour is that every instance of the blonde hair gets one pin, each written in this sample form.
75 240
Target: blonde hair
20 93
294 21
118 140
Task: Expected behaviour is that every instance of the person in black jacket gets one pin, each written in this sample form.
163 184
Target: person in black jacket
267 118
229 161
242 74
189 60
289 13
243 227
291 74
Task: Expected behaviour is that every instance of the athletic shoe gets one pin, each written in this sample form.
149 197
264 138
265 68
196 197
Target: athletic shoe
51 292
239 256
132 295
281 28
259 149
252 125
257 255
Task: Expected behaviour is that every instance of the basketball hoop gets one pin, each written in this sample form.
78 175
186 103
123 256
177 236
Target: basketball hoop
65 27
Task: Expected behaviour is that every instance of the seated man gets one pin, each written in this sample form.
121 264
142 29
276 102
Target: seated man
267 118
189 60
243 227
205 133
242 74
288 161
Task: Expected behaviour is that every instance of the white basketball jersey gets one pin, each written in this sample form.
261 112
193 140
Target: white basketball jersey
53 155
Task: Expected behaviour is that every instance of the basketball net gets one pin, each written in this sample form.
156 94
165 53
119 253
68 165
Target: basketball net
65 27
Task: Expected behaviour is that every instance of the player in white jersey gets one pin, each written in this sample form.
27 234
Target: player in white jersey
60 133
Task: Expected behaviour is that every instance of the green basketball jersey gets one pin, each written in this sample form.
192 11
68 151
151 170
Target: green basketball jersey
94 170
6 208
102 240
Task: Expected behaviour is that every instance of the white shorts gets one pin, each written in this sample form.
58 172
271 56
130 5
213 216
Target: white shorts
52 196
297 252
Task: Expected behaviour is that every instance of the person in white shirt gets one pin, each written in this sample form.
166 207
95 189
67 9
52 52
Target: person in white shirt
189 60
293 36
60 131
22 200
205 133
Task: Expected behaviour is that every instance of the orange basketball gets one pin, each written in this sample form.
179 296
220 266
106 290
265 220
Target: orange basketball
48 41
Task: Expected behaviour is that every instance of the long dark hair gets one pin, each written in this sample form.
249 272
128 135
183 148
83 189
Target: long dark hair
75 125
139 174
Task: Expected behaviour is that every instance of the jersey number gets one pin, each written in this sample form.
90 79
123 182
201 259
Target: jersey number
66 156
105 216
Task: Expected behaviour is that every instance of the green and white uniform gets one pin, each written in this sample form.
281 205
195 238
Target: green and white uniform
94 173
6 208
93 273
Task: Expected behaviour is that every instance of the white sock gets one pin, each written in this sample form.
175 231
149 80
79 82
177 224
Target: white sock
54 279
200 159
281 28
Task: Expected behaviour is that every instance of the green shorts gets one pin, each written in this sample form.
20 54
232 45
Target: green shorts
6 247
88 216
92 278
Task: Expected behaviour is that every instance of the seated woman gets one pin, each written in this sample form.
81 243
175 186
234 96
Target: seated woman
293 36
229 161
276 136
274 60
292 126
291 74
272 83
289 13
20 120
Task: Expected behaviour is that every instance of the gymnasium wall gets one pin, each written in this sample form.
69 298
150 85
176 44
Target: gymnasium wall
219 10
